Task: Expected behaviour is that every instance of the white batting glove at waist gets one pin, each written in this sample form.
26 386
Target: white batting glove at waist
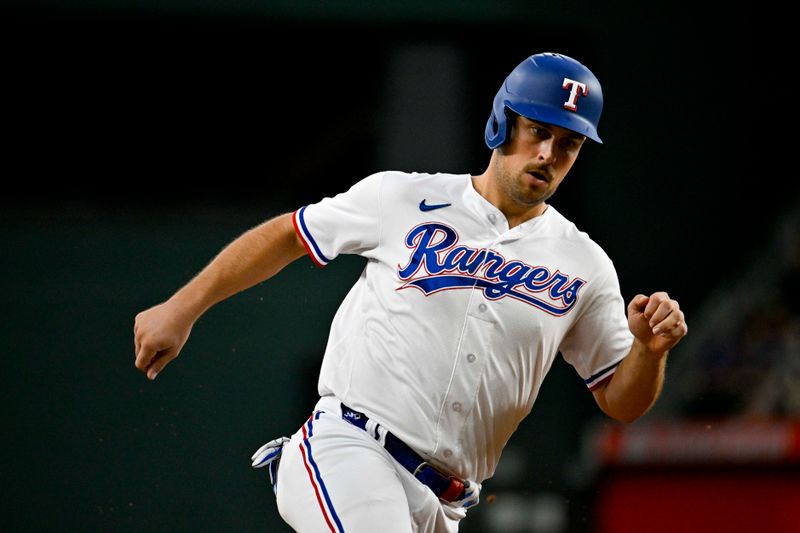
269 455
472 491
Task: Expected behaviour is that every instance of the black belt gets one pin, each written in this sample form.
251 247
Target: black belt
447 488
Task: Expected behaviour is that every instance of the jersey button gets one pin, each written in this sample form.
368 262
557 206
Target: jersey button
457 407
447 453
482 308
492 217
471 357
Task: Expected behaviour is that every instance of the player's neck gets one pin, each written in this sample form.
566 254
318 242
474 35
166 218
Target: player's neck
515 213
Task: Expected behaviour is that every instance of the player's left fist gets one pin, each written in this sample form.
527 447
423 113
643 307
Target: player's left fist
656 321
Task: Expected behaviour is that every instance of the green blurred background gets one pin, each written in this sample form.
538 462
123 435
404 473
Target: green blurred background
141 137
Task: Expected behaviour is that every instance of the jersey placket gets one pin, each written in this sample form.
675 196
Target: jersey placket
472 354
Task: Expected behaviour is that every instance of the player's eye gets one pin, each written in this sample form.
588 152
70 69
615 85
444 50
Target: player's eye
571 143
540 132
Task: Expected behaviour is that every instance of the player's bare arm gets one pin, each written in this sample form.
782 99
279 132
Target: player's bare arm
657 324
161 331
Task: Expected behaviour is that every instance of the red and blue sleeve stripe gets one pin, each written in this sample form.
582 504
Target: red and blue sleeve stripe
602 376
298 219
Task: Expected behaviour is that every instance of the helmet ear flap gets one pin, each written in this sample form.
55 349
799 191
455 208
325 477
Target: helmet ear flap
497 128
511 121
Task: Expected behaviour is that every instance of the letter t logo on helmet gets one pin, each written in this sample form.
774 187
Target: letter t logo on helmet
535 90
572 103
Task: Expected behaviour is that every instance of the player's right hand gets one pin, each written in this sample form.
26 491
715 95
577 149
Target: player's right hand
159 333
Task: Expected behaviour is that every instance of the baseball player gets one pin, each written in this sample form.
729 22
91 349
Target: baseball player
473 285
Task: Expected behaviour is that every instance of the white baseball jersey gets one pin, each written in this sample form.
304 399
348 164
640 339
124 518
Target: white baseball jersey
453 324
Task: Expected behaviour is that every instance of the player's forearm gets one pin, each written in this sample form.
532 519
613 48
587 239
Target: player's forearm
255 256
636 385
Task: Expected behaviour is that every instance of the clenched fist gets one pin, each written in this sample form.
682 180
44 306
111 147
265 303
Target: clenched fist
656 321
159 333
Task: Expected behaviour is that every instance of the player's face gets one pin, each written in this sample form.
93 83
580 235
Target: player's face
536 160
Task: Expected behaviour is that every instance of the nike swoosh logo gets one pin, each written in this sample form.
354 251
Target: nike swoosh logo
425 207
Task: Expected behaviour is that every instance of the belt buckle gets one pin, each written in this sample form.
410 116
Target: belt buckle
420 467
453 492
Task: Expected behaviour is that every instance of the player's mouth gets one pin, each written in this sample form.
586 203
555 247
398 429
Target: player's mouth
540 176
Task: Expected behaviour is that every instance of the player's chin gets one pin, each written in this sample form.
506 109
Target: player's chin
537 190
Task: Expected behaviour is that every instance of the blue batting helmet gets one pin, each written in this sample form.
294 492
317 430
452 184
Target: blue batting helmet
550 88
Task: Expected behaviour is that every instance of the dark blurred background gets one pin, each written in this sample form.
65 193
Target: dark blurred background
140 137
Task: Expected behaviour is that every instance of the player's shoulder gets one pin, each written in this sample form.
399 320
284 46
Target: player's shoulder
398 186
575 239
420 178
400 183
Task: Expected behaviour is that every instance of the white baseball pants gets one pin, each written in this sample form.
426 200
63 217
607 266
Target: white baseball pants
335 478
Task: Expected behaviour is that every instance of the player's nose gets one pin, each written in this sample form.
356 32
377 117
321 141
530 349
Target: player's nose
547 154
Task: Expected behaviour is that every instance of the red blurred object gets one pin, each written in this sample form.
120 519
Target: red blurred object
704 477
709 442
